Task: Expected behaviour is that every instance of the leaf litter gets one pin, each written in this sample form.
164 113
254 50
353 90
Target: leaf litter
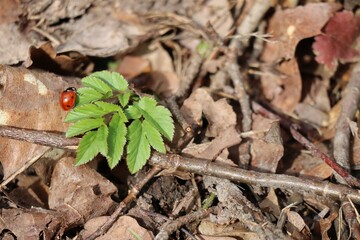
299 62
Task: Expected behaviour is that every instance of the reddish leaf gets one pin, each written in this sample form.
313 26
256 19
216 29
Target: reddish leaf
338 40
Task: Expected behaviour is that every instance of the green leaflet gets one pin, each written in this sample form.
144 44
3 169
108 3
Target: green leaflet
138 148
91 144
88 95
153 136
83 126
113 79
158 116
116 140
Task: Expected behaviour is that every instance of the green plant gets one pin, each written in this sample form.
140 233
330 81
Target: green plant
135 123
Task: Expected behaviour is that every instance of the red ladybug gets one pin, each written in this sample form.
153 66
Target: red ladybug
68 98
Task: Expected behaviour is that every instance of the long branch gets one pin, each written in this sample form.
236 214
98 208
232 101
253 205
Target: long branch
205 167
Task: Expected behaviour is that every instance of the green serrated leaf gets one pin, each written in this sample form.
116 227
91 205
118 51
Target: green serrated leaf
138 147
108 107
91 144
101 138
83 126
116 140
113 79
85 111
132 112
153 136
124 98
158 116
97 84
87 95
87 148
147 103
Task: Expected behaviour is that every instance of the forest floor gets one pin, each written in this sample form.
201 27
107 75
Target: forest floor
263 141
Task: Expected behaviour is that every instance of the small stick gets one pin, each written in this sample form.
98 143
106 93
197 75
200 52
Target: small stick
349 107
352 181
168 228
128 199
22 168
234 72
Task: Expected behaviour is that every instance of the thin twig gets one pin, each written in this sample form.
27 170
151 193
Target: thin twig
349 106
129 198
168 228
22 168
206 167
234 72
352 181
250 23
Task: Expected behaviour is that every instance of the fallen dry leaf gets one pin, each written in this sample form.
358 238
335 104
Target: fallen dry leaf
101 36
80 193
30 223
266 151
212 231
28 99
339 40
132 66
307 165
124 228
287 29
219 114
13 49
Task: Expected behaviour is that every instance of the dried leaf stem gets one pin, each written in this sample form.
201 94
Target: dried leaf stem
205 167
352 181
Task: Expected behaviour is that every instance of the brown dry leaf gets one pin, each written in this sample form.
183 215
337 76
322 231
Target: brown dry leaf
124 228
226 232
164 80
219 114
9 11
53 11
95 34
288 28
30 224
28 99
45 57
271 203
31 192
297 225
132 66
326 224
307 165
79 192
315 107
267 151
212 150
312 114
13 45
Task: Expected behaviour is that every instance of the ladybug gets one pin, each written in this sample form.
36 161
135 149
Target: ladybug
68 98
